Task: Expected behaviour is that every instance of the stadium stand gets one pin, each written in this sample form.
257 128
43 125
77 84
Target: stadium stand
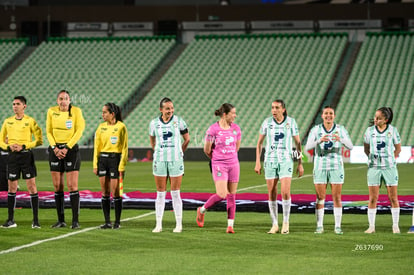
9 49
381 76
250 71
93 70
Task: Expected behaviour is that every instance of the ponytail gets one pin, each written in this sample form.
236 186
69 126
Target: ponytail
224 109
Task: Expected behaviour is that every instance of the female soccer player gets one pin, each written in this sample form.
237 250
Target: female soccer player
279 129
222 142
382 145
110 156
19 134
327 140
64 128
165 134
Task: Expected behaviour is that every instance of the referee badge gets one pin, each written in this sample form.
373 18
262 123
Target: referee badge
114 139
69 124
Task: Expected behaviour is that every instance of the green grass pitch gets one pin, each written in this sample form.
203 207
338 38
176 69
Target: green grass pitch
134 249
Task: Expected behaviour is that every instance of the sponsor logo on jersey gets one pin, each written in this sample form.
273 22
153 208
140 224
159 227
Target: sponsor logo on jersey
279 136
380 145
229 140
166 135
69 124
327 145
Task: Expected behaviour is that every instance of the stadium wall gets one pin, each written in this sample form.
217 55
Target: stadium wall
33 20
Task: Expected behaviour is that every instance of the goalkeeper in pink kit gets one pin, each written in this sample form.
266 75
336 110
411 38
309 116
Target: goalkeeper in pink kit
222 142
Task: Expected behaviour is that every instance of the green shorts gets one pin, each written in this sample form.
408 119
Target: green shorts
168 168
389 176
274 170
329 176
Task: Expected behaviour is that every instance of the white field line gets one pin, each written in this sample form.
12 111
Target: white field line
14 249
305 176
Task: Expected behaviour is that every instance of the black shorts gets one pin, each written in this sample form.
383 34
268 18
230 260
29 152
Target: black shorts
21 163
108 164
70 163
4 157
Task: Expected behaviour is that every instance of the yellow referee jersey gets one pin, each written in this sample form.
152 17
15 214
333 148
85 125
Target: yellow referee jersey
62 128
111 139
23 131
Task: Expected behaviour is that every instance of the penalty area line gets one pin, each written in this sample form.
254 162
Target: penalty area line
17 248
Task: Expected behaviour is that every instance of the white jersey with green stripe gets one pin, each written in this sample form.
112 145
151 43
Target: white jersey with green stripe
381 146
167 138
279 139
328 155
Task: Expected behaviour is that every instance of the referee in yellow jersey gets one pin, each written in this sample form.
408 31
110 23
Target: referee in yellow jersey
64 128
19 134
110 156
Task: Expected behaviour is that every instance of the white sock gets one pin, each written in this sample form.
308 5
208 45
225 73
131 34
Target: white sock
286 209
203 209
159 207
413 217
319 217
177 206
395 213
372 212
338 216
230 222
273 211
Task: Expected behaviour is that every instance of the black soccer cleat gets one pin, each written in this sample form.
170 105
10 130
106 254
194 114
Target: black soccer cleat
106 226
9 224
117 226
75 225
59 225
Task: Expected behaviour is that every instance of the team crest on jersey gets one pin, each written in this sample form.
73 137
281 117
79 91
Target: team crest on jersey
389 134
69 124
218 174
175 124
26 124
234 132
287 126
114 139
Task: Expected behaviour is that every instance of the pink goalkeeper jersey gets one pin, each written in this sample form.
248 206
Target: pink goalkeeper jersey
224 142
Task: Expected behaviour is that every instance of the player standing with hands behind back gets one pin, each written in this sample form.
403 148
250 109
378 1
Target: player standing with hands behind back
382 145
64 128
110 156
278 130
16 136
165 134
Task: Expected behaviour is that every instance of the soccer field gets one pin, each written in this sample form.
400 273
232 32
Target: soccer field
134 249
